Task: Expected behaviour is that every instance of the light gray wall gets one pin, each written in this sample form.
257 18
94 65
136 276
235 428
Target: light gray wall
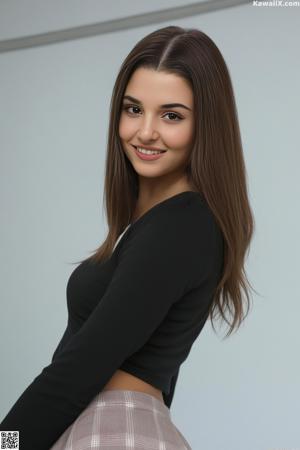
241 393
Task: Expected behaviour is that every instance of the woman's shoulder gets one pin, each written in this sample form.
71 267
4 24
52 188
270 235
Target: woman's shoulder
175 207
180 231
188 211
184 217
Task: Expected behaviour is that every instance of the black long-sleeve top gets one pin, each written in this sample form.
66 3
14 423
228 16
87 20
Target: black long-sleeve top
140 311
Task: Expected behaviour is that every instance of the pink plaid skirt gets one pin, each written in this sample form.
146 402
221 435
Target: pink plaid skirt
123 419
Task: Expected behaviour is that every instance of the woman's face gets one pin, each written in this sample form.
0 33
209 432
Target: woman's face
145 121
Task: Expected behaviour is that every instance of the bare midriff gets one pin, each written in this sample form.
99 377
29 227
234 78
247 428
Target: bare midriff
124 380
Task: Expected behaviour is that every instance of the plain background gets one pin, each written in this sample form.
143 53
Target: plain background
233 394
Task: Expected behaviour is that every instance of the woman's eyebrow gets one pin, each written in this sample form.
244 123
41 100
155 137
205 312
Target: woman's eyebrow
166 105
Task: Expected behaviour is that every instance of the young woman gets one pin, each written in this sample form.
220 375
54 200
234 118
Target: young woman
179 226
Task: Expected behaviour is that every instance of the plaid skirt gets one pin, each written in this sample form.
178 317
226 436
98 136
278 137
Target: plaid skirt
123 419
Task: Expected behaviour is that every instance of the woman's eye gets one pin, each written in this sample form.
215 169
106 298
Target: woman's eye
127 107
174 114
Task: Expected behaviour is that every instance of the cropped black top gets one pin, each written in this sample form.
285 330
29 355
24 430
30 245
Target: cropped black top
140 311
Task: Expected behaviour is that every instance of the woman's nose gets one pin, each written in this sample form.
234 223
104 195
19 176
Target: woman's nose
147 130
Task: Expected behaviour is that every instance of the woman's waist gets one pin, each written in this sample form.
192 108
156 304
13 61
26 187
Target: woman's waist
125 380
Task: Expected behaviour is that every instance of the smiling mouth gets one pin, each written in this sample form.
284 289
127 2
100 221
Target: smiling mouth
146 150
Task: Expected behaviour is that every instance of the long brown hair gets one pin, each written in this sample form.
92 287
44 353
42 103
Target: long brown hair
216 166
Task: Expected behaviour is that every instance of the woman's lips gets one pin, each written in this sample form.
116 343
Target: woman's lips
145 157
